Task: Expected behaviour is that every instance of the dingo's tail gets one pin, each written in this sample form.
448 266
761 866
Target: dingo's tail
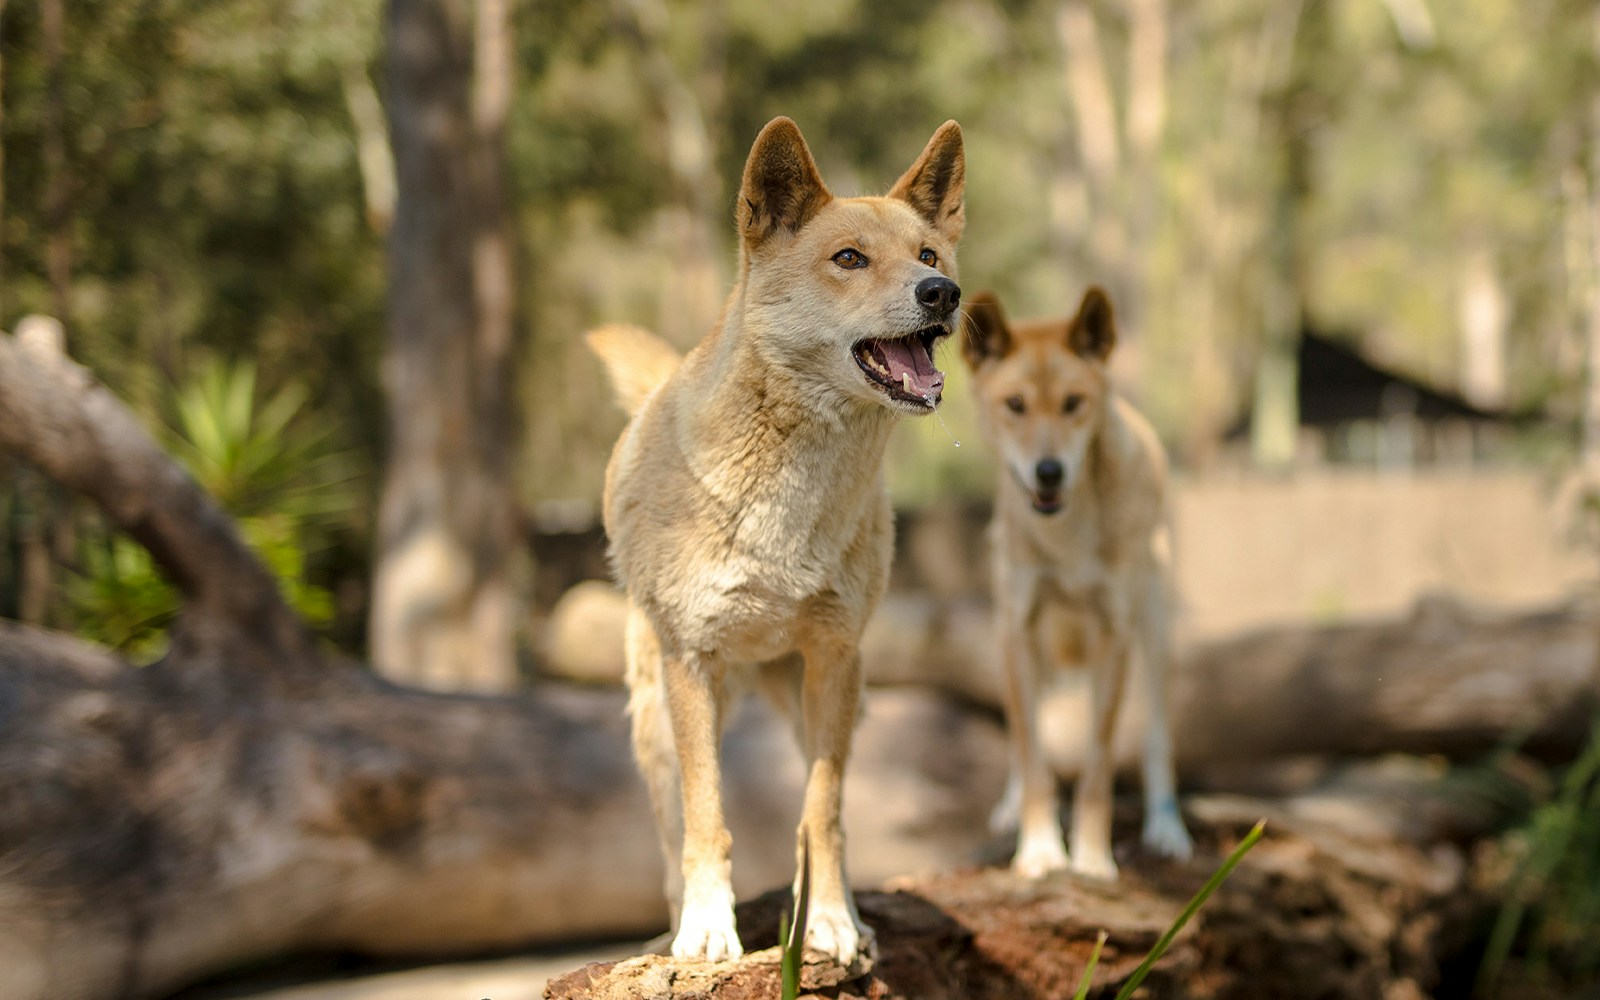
637 360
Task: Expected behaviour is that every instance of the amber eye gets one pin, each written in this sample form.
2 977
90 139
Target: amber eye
928 257
1071 405
850 259
1014 404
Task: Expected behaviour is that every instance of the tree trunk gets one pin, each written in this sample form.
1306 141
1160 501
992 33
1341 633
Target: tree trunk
1481 311
692 294
58 184
444 592
2 158
1118 154
1591 399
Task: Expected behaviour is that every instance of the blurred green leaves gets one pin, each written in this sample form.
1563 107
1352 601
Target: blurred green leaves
1551 914
269 462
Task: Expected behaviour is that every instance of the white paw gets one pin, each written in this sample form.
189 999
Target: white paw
833 932
1095 864
707 932
1164 833
1039 856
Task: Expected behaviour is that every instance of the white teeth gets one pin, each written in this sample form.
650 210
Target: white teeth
905 382
864 355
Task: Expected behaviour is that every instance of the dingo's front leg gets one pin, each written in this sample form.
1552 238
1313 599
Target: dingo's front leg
830 703
1164 831
695 699
1039 846
1091 805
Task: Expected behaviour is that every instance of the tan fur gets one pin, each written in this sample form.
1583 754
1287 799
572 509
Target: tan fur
747 514
637 360
1098 571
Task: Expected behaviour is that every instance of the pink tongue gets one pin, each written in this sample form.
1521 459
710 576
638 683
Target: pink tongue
908 356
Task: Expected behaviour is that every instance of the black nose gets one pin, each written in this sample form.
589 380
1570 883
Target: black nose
1049 472
939 294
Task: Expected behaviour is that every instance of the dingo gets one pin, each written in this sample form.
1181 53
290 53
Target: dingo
746 509
1067 442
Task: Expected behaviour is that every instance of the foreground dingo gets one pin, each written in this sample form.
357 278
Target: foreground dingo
1081 551
746 508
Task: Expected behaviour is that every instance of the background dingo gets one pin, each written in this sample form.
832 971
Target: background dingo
1082 563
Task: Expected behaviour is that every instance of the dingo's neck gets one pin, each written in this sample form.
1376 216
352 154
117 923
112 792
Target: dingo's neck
766 436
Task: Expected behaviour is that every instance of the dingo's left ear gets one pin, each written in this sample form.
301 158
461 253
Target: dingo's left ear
1093 332
986 335
782 187
936 183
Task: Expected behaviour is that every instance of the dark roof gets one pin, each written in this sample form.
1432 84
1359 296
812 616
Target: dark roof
1336 385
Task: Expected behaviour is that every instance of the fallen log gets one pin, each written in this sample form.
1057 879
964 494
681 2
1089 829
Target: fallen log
1449 679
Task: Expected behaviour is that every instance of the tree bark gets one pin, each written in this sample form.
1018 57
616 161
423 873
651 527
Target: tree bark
693 293
1591 272
444 591
1118 154
58 185
1275 413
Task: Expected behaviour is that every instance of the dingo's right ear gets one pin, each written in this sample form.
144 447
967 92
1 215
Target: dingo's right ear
936 184
782 187
1093 332
986 335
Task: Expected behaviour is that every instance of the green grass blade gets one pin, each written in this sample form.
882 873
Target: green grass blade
1088 970
794 944
1216 879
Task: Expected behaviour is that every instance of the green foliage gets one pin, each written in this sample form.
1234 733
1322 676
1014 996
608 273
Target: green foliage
259 459
274 469
1551 914
119 599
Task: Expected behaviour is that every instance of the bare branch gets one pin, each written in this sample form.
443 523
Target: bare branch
54 415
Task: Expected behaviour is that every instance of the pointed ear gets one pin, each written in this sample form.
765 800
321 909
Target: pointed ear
936 183
782 188
986 336
1093 332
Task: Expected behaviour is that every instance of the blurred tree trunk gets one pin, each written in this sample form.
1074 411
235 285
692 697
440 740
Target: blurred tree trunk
58 185
1591 274
2 159
1275 415
444 592
692 293
1481 301
373 153
1117 153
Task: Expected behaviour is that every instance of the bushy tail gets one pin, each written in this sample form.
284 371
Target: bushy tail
637 360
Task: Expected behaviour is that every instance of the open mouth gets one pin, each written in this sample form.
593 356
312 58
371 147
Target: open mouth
902 367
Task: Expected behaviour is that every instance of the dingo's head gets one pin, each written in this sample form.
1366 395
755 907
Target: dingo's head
851 294
1042 390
